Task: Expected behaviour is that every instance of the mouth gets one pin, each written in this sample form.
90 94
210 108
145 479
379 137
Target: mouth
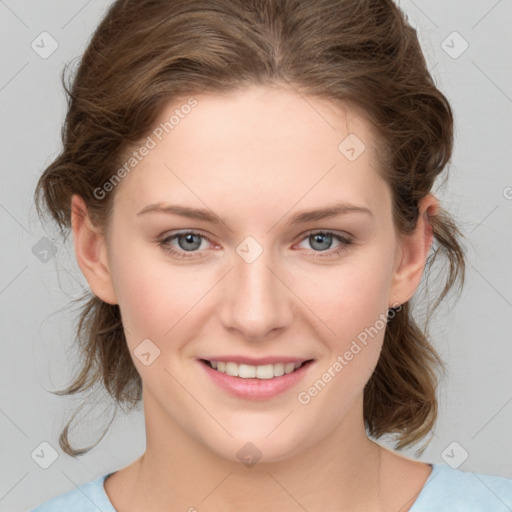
247 371
255 382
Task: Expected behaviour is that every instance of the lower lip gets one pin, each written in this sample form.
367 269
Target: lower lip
256 389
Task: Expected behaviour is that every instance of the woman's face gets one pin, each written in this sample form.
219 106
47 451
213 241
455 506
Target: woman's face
252 284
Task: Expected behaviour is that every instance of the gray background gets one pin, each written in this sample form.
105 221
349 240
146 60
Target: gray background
37 320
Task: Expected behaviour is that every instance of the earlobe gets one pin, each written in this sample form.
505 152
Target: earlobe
414 251
91 252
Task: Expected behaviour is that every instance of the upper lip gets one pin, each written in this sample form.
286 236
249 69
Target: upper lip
257 361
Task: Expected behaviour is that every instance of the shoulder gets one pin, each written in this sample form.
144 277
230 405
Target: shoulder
453 490
88 497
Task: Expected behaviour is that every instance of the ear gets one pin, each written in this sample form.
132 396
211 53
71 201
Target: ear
412 254
91 252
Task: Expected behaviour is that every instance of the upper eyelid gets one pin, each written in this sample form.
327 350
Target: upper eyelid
184 232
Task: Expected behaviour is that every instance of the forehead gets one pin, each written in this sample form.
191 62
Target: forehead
263 120
265 145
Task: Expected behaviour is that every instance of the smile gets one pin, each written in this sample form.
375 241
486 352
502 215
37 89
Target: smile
255 382
247 371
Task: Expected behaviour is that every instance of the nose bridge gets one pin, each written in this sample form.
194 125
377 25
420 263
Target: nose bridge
257 303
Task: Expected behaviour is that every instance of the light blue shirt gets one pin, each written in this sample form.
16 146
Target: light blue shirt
446 490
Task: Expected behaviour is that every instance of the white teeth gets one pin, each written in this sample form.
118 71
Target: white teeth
289 367
247 371
232 369
278 369
265 371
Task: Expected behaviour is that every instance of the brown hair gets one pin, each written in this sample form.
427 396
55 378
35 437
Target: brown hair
363 53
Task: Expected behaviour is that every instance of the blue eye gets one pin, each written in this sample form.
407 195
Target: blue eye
189 243
321 241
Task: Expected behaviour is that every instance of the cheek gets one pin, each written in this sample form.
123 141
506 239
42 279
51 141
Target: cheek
355 308
147 300
352 302
350 297
156 297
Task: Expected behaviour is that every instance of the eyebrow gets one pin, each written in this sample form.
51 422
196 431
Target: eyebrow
299 218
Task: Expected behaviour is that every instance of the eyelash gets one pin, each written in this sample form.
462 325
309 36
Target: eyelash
165 244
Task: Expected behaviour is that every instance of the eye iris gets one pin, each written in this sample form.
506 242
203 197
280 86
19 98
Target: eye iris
317 237
189 237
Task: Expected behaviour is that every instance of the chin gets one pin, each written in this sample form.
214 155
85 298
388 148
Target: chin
257 446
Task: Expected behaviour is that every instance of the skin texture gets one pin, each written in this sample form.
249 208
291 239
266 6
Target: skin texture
255 157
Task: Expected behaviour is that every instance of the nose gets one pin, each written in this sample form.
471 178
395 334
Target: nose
256 300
